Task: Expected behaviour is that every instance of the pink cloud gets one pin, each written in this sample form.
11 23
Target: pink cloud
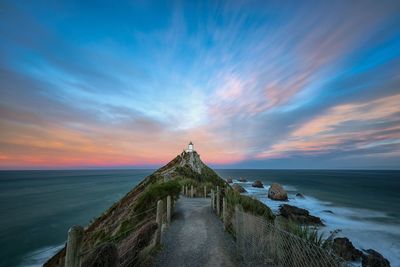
325 132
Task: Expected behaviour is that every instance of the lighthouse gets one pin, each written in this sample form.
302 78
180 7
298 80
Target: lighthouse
190 147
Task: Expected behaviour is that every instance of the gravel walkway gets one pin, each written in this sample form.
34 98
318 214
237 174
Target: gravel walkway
196 237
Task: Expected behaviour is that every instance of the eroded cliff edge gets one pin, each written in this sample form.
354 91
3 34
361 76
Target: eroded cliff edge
129 223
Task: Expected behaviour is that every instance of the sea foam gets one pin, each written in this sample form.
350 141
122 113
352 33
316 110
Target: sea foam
38 257
363 227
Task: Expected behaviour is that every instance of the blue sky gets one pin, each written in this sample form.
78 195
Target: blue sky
267 84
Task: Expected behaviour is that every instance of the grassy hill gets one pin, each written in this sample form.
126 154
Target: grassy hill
129 223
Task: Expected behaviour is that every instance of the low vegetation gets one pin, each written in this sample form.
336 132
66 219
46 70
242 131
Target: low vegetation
308 233
156 192
249 205
207 176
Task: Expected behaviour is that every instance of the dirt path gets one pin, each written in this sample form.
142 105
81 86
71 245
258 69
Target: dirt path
196 237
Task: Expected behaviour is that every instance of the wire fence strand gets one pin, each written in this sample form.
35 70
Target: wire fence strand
261 243
130 217
123 234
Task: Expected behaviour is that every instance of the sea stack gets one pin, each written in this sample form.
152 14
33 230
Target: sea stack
298 215
238 188
343 247
258 184
276 192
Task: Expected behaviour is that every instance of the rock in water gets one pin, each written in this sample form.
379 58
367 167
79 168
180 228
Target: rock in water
258 184
276 192
343 247
238 188
374 259
299 195
298 215
229 180
242 180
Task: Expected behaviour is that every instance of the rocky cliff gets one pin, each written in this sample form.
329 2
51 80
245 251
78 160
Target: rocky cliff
129 223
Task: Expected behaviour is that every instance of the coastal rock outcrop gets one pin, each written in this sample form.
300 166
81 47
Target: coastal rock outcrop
299 195
229 180
374 259
299 215
238 188
276 192
242 180
258 184
343 247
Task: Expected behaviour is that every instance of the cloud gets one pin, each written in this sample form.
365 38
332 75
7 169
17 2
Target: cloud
344 128
245 82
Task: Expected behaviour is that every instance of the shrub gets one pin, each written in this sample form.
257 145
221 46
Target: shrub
308 233
212 177
207 175
249 205
188 182
156 192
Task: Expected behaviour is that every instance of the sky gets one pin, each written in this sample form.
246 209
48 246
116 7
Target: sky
268 84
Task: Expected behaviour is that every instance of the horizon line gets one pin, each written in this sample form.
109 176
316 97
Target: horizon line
143 168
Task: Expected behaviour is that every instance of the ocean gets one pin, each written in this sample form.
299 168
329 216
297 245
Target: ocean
363 205
38 207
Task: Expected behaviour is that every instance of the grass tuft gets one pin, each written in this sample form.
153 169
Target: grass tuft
249 205
156 192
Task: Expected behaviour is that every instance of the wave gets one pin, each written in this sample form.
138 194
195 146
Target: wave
38 257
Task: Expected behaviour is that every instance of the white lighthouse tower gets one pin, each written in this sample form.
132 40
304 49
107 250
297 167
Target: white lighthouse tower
190 147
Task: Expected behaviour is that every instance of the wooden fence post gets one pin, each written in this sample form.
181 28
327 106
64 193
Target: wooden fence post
159 216
218 201
75 237
168 210
205 191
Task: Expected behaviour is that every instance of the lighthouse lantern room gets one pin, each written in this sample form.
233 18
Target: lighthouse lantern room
190 147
